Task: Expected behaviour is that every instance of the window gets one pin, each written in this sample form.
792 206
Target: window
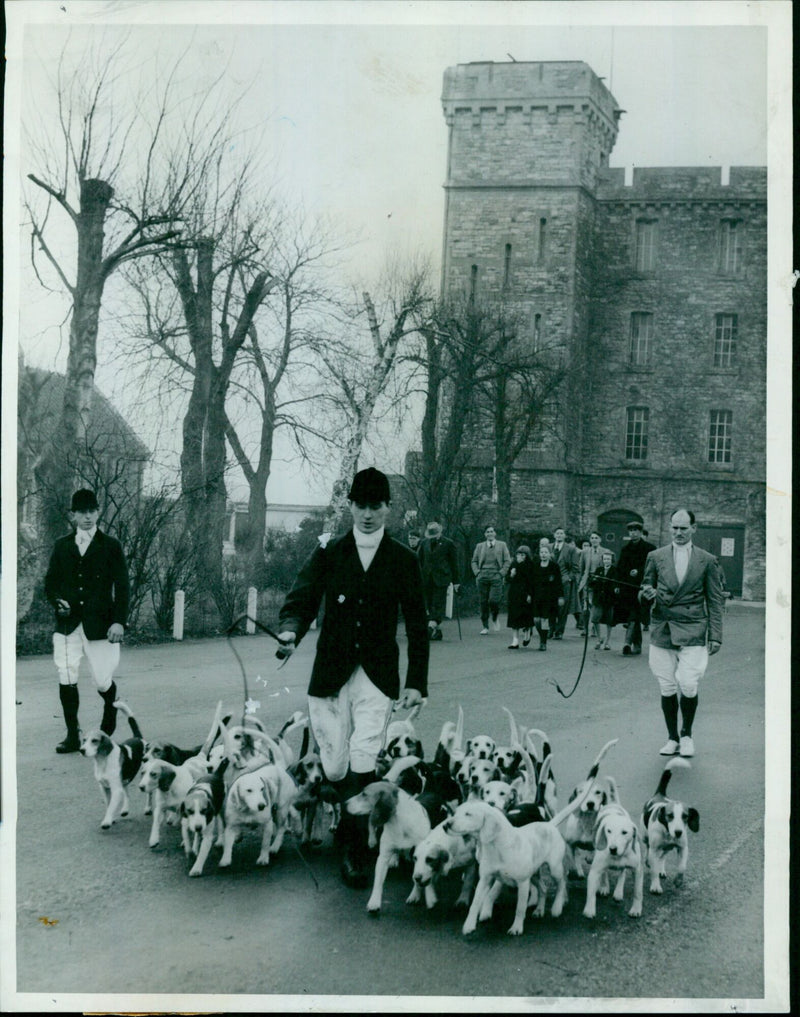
719 436
725 329
638 418
542 237
645 245
536 332
730 246
507 267
641 350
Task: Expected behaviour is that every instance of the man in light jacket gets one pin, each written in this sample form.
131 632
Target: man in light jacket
682 583
490 561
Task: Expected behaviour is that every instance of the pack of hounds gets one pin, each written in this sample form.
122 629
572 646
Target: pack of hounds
485 810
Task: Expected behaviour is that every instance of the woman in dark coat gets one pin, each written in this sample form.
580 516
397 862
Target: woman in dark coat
547 596
605 598
520 614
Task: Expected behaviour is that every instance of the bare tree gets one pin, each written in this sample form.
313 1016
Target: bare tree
82 155
484 388
361 376
461 343
273 373
515 405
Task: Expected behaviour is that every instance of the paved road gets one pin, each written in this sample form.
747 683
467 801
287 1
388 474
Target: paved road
123 919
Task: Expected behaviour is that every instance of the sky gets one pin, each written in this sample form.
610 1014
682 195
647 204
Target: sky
348 99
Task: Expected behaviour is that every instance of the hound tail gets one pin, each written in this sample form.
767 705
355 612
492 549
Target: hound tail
212 734
596 765
516 741
575 804
123 707
398 768
546 748
297 719
671 764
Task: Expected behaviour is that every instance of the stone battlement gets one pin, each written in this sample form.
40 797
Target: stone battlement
685 183
552 85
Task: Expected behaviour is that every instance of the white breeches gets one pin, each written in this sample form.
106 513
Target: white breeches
349 727
678 670
103 658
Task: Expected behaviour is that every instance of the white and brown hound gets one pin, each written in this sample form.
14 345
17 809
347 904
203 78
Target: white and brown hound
438 854
578 830
202 824
260 797
666 824
512 856
617 848
115 764
397 823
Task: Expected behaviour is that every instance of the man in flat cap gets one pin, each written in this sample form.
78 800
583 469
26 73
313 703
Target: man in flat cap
438 560
365 577
630 572
87 585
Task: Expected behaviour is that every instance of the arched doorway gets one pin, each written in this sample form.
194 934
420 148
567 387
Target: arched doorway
613 527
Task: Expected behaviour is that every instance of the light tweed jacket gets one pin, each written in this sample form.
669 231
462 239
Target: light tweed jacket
687 613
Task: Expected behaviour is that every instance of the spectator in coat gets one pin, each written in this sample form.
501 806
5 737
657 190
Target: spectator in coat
87 585
547 593
438 560
519 580
682 584
631 612
490 561
365 577
605 593
413 540
566 555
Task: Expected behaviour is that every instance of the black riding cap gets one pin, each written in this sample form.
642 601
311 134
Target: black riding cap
370 486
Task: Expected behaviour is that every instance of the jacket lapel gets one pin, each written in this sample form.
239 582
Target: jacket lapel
668 561
693 569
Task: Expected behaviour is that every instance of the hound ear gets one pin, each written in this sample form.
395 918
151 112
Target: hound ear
468 747
385 805
165 780
693 820
438 858
104 746
600 839
418 749
514 796
492 821
574 795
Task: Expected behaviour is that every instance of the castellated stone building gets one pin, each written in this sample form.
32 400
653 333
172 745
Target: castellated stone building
655 286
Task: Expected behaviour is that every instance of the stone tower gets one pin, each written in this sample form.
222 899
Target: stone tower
527 143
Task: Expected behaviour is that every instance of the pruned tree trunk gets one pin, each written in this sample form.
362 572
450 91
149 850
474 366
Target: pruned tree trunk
56 467
203 456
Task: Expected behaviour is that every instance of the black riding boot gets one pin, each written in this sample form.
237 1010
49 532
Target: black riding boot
352 834
109 722
69 697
